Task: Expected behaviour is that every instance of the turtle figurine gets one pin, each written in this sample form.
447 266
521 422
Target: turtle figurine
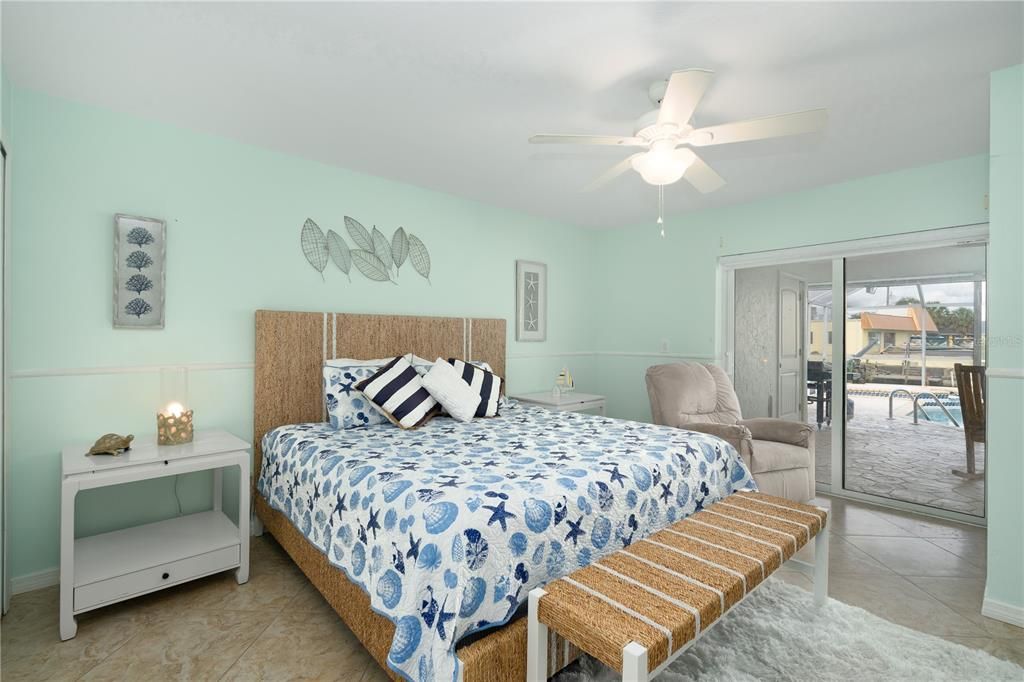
111 444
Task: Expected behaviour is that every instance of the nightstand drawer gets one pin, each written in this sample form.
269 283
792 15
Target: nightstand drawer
157 577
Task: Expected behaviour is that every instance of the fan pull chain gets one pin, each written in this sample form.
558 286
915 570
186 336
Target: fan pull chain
661 208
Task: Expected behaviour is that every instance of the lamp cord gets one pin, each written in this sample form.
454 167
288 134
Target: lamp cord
176 497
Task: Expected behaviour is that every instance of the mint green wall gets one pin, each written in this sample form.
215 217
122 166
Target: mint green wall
234 213
665 288
233 217
1006 341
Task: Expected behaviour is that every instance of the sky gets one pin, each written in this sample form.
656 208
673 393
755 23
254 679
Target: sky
951 295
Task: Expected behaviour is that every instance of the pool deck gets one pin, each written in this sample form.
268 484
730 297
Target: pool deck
897 459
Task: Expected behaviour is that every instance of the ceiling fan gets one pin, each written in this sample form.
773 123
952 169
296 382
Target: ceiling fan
667 135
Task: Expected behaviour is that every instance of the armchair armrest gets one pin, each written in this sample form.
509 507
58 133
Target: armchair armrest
733 434
779 431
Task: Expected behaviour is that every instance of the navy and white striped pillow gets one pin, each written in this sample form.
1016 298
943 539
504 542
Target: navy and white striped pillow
397 392
487 384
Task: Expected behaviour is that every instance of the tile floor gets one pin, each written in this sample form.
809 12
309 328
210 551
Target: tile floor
921 573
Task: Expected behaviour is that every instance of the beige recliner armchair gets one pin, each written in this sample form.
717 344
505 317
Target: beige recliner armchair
697 397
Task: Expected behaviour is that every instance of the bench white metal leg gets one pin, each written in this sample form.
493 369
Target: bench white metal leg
536 641
634 663
821 566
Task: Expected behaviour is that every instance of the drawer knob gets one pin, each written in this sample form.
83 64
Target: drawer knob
165 576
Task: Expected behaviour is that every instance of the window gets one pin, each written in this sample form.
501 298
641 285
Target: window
830 337
812 337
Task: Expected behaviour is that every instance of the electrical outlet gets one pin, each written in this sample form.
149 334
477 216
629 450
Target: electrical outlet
664 345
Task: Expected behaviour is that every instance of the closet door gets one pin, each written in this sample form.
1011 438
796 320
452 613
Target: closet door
791 391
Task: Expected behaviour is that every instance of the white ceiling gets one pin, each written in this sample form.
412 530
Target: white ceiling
445 95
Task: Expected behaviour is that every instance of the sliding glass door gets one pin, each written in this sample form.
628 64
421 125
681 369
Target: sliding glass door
912 319
891 330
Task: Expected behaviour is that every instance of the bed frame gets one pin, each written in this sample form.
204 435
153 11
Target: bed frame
291 348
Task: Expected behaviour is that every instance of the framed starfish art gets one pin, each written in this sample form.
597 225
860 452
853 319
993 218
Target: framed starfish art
531 301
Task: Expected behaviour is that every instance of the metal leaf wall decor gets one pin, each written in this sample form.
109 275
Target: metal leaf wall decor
314 246
359 234
399 248
339 252
419 256
374 256
382 249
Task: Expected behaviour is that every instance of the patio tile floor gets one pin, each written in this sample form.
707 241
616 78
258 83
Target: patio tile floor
897 459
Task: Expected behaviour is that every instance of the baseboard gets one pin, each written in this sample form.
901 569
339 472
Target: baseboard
1007 613
35 581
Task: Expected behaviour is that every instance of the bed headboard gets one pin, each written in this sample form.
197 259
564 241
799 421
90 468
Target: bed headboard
291 348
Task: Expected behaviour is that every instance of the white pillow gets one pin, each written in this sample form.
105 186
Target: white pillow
446 386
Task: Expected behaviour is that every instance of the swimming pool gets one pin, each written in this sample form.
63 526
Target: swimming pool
935 414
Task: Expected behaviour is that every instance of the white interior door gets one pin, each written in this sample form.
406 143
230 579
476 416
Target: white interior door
791 388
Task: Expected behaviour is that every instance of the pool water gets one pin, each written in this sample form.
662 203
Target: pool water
935 413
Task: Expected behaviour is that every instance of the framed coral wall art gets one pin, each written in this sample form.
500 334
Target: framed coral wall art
139 264
531 301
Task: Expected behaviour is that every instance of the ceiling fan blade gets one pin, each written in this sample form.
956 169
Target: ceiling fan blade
760 128
685 90
589 139
610 174
699 174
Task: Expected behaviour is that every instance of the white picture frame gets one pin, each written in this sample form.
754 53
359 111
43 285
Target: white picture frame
140 248
531 301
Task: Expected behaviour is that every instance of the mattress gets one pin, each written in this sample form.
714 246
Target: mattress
448 527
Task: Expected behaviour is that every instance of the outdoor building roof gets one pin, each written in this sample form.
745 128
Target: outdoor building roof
901 323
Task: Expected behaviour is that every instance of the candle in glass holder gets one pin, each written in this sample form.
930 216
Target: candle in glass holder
174 421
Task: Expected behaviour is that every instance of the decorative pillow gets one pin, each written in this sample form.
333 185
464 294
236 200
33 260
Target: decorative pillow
396 391
347 408
484 382
457 397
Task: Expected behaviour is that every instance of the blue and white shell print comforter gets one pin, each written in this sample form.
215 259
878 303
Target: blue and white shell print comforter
450 526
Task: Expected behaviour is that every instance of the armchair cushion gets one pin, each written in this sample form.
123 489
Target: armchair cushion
778 431
772 456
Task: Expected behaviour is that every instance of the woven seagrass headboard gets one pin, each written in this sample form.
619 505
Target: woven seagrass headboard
291 348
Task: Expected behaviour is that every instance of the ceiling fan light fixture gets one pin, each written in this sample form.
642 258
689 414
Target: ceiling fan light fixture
661 165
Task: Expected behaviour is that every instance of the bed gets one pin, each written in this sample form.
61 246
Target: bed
427 542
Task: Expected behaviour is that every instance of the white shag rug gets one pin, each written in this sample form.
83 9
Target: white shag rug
777 634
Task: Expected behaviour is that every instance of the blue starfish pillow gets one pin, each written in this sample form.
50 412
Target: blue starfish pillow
347 407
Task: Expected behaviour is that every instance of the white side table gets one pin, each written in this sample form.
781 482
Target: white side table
103 569
567 402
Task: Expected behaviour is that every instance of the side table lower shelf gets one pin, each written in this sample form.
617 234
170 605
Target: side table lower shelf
133 561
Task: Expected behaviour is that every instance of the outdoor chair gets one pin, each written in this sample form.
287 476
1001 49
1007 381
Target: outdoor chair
970 382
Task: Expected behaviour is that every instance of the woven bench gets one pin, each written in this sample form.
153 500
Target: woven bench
638 609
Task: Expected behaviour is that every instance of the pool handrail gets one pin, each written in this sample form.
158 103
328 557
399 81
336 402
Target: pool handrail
915 398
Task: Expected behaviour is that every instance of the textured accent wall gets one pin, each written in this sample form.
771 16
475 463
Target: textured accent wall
756 340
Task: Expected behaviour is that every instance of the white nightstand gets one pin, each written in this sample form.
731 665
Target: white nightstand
567 402
103 569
